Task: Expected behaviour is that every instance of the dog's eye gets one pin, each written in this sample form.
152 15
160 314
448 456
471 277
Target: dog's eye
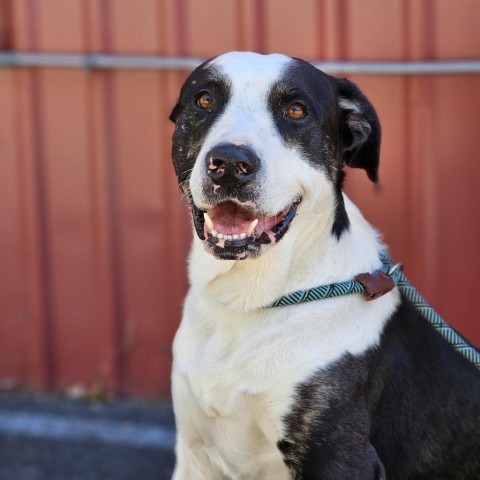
296 111
205 101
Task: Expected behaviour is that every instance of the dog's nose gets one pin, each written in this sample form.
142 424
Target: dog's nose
230 164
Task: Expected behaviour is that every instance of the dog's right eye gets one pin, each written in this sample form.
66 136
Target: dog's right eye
296 111
205 101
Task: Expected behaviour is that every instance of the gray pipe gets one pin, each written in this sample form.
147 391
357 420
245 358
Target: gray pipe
150 62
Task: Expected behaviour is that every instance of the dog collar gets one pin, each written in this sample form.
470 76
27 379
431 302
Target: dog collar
372 285
377 284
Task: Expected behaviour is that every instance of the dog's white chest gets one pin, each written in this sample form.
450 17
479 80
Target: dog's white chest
224 404
234 443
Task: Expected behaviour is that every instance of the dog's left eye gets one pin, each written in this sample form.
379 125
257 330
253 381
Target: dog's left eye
205 101
296 111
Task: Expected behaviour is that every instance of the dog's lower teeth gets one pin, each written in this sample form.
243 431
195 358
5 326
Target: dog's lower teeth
226 236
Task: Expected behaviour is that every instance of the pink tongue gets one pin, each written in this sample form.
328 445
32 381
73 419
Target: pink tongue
229 218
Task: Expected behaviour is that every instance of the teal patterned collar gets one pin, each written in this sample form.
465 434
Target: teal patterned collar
372 285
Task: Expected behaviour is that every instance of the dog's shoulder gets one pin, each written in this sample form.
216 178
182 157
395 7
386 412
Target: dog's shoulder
434 393
412 397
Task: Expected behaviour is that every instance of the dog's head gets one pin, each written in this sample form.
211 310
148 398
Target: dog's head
257 137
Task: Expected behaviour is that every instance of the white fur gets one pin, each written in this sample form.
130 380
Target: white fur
246 121
236 364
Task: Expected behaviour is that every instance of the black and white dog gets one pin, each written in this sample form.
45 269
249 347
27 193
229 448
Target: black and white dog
334 389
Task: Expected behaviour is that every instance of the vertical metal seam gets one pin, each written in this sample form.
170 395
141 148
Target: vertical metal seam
27 372
321 30
182 28
104 380
407 126
240 20
162 83
6 10
161 31
428 29
87 30
260 22
44 225
113 210
432 263
93 193
342 29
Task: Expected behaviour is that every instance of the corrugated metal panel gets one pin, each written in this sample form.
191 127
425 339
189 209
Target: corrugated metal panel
429 169
93 234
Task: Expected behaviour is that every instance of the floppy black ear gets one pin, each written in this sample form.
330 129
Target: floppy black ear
360 132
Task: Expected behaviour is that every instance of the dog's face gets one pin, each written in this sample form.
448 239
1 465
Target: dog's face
257 138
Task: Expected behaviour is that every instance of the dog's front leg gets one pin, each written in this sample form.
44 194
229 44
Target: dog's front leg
192 459
194 464
361 466
335 462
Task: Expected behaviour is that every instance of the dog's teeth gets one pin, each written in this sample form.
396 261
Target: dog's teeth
225 236
252 227
208 221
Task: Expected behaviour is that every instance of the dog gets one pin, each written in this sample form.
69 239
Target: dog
340 388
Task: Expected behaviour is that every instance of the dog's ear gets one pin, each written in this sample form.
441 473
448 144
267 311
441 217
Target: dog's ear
175 112
359 128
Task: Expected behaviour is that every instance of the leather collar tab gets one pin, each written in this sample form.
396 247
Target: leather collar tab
375 284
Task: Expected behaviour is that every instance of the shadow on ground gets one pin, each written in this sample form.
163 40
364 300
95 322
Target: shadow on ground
57 439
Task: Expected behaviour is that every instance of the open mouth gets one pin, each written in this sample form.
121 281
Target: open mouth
233 231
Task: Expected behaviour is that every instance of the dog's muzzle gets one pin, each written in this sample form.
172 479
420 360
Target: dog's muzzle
232 223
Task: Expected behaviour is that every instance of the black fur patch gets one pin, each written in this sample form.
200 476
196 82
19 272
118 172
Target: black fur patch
331 134
192 123
410 406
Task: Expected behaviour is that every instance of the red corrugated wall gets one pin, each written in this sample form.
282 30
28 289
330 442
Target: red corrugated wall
93 233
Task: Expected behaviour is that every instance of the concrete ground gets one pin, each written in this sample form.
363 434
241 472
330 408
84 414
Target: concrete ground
45 438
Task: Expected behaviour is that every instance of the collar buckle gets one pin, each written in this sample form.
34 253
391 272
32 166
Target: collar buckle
375 284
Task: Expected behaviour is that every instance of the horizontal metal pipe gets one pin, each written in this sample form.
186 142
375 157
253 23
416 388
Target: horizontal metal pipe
454 67
97 61
151 62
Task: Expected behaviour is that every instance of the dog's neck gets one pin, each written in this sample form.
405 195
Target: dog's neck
309 255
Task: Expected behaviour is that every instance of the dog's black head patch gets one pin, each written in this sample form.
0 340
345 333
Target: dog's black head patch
193 122
340 123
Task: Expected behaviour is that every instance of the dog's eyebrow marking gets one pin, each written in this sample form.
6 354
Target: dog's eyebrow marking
285 89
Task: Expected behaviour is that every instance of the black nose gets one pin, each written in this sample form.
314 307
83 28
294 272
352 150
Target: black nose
230 164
